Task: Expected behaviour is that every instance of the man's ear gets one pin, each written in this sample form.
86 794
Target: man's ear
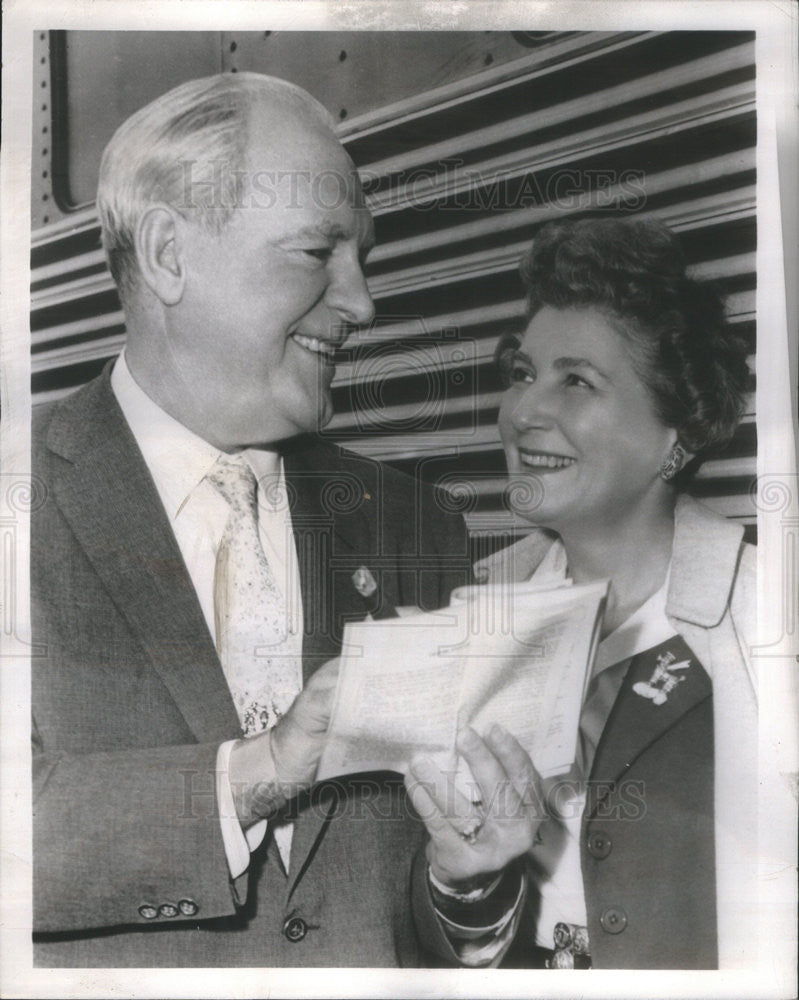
158 254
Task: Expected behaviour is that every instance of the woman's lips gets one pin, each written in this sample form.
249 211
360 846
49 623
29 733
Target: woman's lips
544 461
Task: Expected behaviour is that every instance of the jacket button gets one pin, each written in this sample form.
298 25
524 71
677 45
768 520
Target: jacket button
613 920
188 907
599 844
167 910
295 929
148 911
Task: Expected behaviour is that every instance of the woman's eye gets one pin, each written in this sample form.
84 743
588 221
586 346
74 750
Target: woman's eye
577 380
518 373
511 370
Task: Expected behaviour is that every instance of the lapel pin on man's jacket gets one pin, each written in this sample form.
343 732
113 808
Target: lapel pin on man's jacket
366 585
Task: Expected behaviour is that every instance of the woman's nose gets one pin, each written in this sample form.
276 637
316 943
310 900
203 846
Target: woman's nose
533 407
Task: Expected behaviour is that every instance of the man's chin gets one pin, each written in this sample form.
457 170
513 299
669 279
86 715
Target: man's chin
299 425
268 429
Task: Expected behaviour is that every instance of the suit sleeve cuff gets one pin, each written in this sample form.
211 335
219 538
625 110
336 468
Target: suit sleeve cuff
238 843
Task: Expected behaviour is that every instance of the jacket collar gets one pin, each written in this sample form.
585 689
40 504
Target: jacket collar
105 492
704 560
705 557
518 561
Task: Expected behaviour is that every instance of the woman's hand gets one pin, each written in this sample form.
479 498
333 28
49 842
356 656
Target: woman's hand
468 839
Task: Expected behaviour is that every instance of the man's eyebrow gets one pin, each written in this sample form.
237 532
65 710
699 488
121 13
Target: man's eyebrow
325 230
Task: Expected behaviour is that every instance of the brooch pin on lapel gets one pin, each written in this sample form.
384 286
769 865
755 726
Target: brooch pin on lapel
663 679
365 583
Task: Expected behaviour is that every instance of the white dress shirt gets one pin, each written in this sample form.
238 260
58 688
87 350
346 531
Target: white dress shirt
178 461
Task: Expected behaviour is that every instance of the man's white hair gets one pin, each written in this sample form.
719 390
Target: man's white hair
187 149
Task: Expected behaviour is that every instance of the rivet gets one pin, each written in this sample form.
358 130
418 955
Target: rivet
342 56
233 46
343 113
488 59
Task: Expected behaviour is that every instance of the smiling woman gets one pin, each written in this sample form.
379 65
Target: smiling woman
577 415
624 380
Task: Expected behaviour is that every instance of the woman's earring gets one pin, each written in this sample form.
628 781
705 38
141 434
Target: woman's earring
673 462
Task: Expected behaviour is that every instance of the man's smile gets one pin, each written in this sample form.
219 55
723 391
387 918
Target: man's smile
325 348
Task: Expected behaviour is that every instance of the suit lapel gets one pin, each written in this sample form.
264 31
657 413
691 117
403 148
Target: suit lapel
333 537
657 691
110 501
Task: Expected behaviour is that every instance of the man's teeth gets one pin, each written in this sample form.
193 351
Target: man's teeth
315 345
545 461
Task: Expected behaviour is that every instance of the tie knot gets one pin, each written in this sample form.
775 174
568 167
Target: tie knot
235 480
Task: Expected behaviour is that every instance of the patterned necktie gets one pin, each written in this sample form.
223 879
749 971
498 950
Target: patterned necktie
263 674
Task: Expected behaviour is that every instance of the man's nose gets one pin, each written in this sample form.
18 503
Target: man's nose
348 294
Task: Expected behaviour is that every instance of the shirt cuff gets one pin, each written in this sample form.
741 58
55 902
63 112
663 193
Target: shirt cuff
481 927
238 843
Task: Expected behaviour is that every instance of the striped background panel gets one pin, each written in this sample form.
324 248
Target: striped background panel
459 177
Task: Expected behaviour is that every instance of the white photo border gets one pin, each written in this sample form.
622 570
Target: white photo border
777 501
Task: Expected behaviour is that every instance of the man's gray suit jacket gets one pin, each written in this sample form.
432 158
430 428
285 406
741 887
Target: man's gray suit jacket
130 705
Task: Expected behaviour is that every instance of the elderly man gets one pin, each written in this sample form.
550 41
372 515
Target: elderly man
193 567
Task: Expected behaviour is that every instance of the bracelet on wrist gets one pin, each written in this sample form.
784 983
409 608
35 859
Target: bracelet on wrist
469 890
478 906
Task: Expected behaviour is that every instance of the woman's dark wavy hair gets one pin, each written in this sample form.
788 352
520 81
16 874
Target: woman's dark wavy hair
633 270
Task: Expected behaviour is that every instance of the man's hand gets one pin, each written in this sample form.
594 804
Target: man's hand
467 839
267 770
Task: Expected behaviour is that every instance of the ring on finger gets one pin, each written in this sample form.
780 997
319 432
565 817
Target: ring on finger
470 832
